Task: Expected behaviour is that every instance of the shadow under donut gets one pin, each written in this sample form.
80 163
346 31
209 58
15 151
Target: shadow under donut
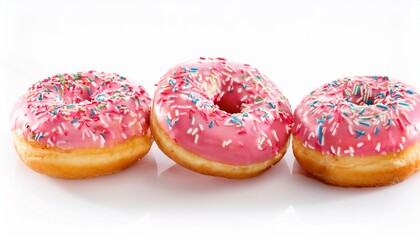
208 200
121 197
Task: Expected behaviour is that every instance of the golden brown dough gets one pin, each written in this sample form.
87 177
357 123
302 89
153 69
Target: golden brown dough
196 163
347 171
81 163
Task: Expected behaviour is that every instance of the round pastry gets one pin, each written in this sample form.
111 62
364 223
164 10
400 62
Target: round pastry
359 132
82 125
220 118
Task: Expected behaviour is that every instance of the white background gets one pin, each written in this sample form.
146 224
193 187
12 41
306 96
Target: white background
298 44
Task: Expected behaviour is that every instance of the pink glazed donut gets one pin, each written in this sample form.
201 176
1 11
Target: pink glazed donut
82 125
359 131
220 118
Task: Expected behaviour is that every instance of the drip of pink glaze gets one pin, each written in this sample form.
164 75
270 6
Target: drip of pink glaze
359 116
82 110
187 103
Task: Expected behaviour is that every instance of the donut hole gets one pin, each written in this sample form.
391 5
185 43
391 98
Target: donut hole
360 100
365 94
229 103
69 98
77 99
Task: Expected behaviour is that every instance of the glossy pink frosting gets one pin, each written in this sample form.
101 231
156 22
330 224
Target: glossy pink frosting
82 110
188 104
359 116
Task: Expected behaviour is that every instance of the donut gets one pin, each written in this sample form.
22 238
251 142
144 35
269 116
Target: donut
220 118
360 131
82 125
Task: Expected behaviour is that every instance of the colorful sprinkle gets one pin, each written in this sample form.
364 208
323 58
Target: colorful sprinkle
320 135
75 120
382 106
234 119
376 130
404 104
365 123
409 91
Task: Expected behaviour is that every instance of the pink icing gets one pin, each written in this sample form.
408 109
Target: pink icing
359 116
82 110
188 105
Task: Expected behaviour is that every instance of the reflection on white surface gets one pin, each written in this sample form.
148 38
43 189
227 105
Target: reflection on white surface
177 198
